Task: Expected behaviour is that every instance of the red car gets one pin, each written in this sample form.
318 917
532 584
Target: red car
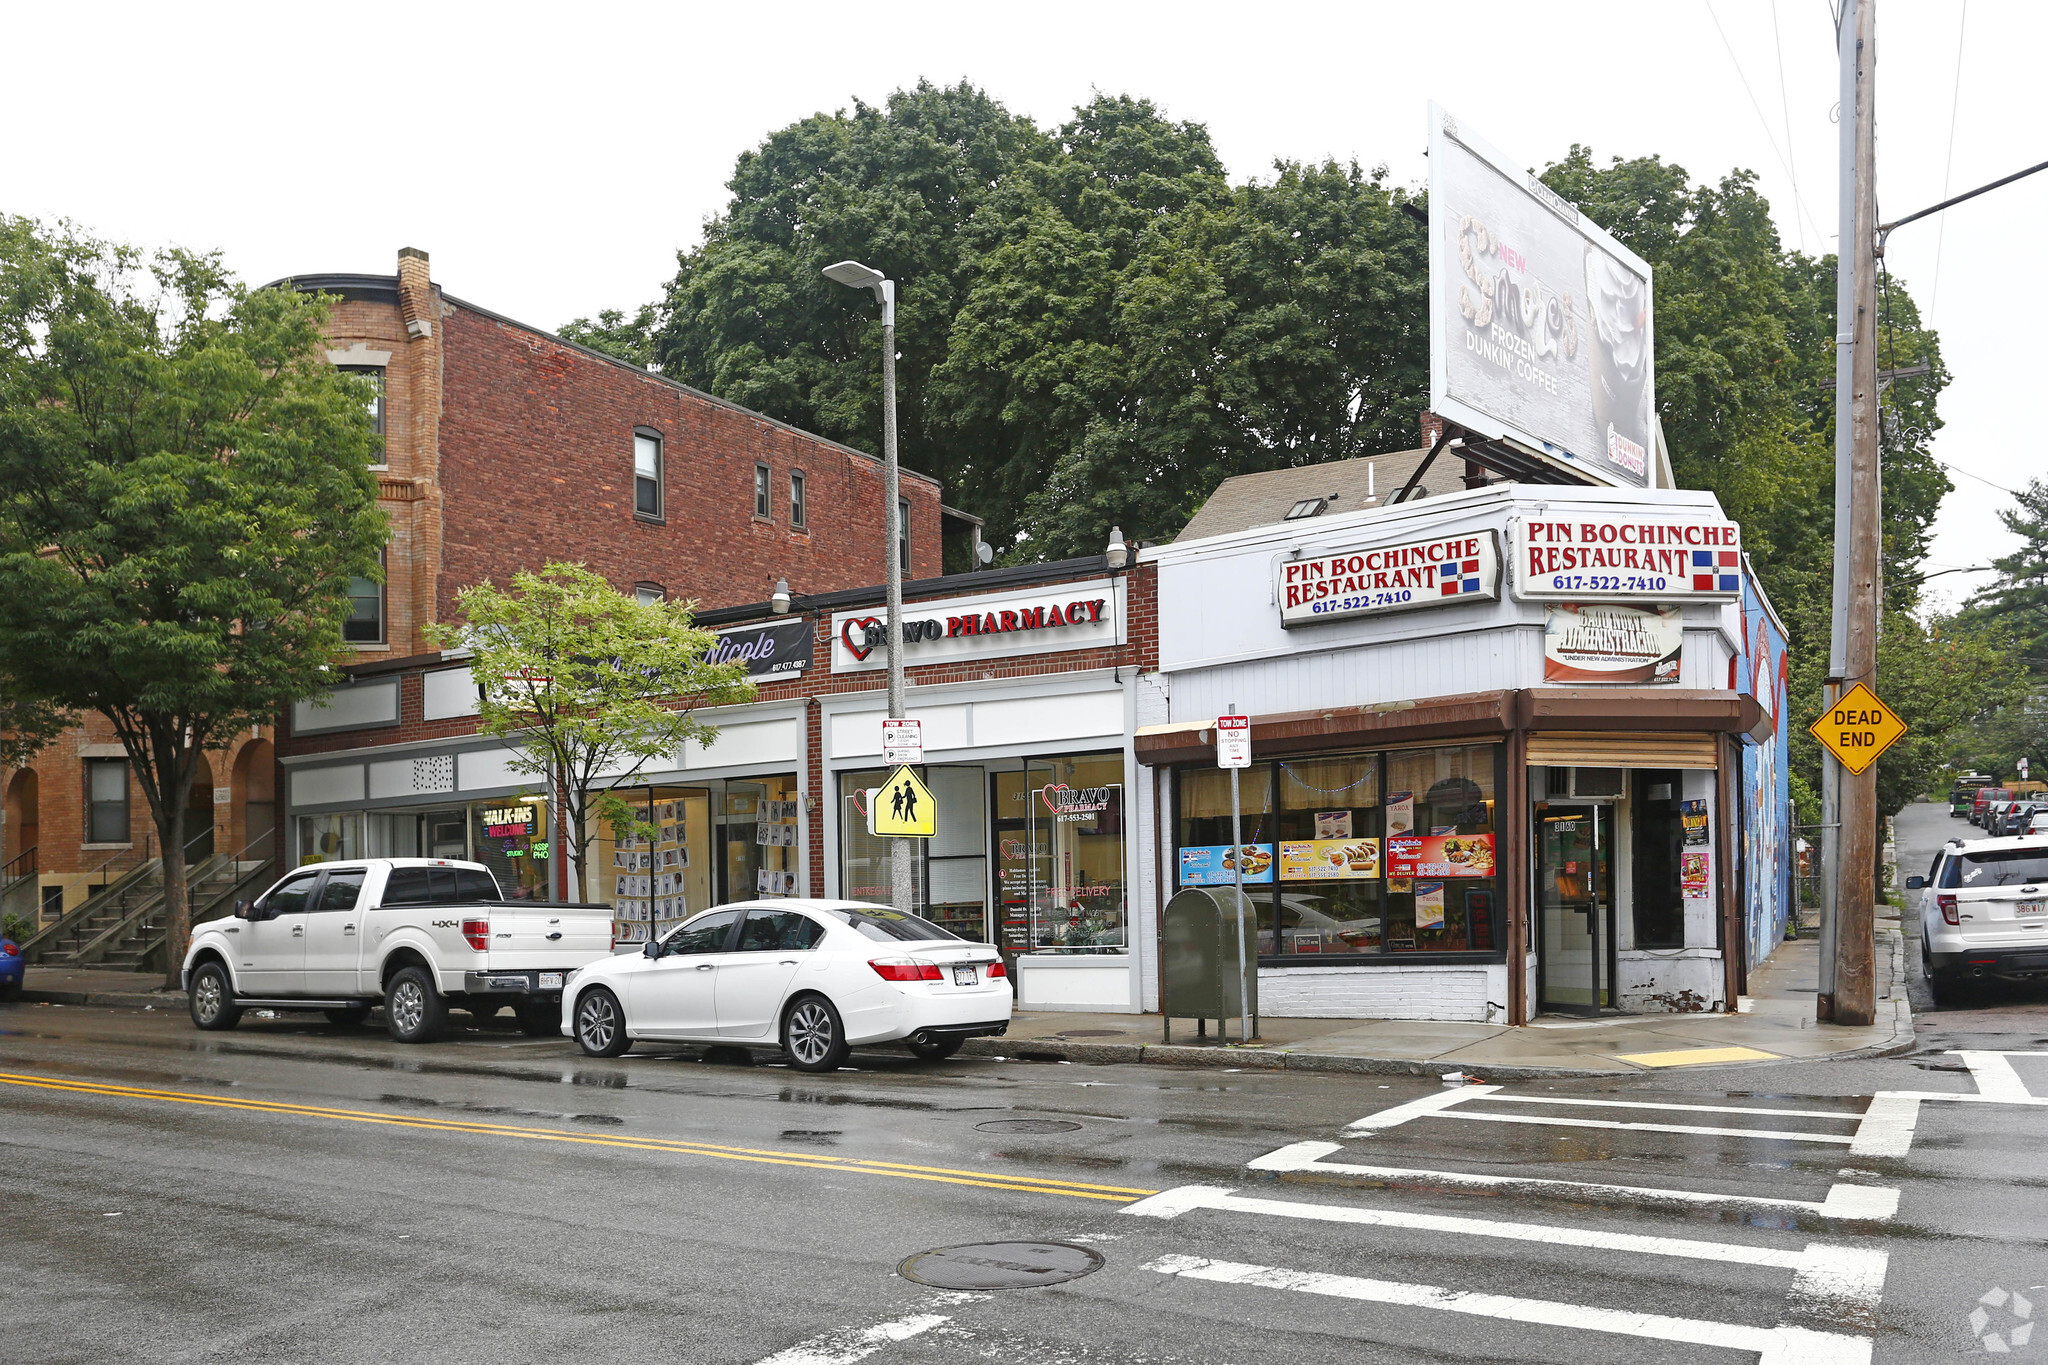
1985 796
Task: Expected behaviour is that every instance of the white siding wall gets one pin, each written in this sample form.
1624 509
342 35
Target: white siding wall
1476 994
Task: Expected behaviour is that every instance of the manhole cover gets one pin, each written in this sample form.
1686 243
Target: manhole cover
1000 1265
1027 1126
1092 1033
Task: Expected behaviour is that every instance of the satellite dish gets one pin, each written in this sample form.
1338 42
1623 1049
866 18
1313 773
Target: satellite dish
985 552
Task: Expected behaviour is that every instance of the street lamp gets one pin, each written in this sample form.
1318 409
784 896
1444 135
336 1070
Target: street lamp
779 602
854 275
1116 552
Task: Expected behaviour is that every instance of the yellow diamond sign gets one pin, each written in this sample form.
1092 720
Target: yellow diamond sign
902 808
1857 728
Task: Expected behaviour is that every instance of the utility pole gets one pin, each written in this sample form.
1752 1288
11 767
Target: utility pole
1848 837
854 275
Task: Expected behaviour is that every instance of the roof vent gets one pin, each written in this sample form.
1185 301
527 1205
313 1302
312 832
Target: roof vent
1307 507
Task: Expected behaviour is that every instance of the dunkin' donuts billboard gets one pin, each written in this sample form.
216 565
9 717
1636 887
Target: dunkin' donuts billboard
1540 323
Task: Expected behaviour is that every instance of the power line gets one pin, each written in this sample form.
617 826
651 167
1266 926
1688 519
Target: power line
1761 120
1785 109
1955 100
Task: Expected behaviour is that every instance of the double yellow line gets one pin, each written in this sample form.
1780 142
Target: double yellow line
991 1180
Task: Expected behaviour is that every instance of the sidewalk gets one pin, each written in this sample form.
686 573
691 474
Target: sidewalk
1775 1024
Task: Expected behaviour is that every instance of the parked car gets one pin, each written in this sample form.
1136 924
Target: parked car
812 977
2039 824
11 968
2020 818
1995 816
1982 802
1984 913
416 934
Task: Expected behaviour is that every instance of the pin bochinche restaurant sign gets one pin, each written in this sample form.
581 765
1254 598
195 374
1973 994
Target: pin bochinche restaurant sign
1440 572
1623 557
1069 616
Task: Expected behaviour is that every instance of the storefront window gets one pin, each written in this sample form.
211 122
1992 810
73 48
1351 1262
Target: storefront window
660 872
1375 853
1059 834
330 838
416 833
511 839
864 863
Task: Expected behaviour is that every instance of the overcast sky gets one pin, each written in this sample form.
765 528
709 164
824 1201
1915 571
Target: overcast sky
552 159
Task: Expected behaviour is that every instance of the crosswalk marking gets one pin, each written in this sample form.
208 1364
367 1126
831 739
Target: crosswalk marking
1779 1345
1423 1108
1552 1121
1851 1202
1995 1077
1887 1125
1832 1278
1681 1108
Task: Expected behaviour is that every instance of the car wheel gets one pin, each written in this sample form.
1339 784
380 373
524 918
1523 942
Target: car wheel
601 1024
938 1049
414 1009
539 1018
212 998
351 1017
813 1036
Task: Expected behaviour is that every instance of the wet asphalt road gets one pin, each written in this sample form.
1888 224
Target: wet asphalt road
295 1192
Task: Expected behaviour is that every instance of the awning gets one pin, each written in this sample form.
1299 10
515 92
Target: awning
1612 749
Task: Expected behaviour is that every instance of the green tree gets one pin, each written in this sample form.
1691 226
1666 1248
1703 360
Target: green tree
590 685
184 496
2016 604
615 334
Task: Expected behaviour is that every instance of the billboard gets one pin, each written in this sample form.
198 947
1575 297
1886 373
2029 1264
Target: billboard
1586 642
1540 323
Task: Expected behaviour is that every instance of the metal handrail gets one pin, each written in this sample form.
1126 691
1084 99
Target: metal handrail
196 875
69 929
22 864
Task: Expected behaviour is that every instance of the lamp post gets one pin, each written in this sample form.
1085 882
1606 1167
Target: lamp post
854 275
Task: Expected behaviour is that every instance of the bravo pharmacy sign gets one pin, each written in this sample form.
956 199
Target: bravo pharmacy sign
1440 572
956 629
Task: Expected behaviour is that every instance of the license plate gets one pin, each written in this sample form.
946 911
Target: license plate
2031 908
963 976
550 981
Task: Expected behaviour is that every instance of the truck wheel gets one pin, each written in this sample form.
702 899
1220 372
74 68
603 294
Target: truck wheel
351 1017
601 1024
539 1018
212 1001
414 1008
938 1049
813 1036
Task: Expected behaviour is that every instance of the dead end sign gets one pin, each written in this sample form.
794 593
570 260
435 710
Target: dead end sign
1857 728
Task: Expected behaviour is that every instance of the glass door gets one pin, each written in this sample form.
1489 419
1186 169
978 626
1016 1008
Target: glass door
1575 906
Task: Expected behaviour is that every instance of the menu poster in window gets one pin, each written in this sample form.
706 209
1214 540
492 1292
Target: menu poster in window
1429 905
1400 812
1317 860
1454 855
1333 824
1216 864
1693 874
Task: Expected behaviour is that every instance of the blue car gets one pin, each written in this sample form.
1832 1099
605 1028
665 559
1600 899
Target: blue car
11 967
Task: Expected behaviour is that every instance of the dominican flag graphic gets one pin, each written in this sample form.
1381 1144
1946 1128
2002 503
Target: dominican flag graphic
1458 576
1716 571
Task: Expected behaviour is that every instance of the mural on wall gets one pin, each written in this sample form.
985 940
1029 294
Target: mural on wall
1766 831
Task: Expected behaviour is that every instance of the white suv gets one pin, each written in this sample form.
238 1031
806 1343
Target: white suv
1984 913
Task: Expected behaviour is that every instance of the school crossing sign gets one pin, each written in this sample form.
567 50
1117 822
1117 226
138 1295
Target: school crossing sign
1857 728
902 808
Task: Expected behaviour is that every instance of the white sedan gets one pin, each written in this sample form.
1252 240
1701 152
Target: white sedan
814 978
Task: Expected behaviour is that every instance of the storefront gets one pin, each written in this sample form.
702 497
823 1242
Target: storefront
1497 741
1023 696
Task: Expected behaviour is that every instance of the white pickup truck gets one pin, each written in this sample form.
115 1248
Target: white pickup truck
416 934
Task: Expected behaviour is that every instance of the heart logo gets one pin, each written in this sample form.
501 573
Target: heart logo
1045 795
854 635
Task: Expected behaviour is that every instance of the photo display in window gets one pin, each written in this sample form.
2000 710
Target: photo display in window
1371 853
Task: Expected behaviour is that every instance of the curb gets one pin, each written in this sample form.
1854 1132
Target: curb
1257 1059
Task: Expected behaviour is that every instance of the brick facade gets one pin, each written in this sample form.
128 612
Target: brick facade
505 448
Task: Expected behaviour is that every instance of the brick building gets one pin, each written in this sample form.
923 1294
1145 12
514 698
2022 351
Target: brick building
504 447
